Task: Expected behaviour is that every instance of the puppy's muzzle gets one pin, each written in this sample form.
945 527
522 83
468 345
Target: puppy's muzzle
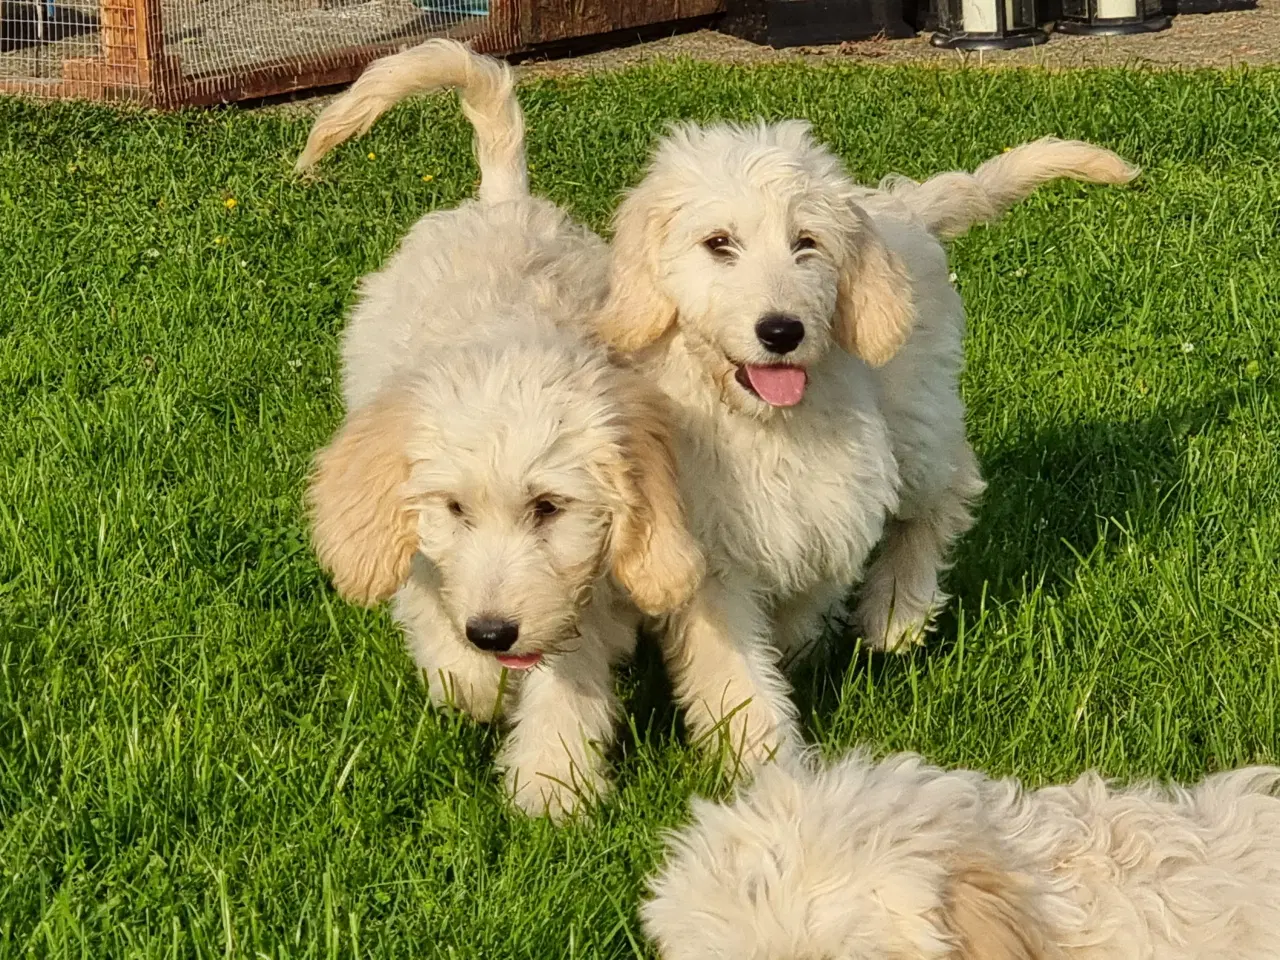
492 634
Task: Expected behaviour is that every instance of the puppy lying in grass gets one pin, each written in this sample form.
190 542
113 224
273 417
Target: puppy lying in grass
900 860
511 487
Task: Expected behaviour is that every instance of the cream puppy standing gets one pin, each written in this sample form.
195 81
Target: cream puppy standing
495 471
808 333
900 859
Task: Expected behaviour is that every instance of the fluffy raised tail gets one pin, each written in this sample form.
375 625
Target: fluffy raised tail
487 91
951 203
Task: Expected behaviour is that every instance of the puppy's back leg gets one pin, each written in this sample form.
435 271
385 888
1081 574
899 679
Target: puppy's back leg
901 594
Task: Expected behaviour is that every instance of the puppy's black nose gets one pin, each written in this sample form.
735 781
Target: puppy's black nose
492 634
779 333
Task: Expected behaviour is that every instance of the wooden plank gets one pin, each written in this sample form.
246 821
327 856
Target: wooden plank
118 31
287 76
504 24
546 21
158 70
262 82
37 89
83 79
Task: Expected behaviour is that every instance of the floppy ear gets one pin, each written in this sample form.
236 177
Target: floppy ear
874 312
652 552
363 529
990 912
637 313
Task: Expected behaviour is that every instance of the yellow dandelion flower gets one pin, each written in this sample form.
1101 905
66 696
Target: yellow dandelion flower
372 155
427 178
219 240
230 203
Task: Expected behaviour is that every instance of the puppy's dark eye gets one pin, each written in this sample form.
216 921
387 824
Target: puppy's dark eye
719 245
804 243
544 509
456 508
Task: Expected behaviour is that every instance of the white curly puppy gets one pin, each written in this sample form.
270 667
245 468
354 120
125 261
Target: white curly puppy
808 333
495 471
903 860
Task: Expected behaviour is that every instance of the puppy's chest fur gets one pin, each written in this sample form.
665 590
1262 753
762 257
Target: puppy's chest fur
796 501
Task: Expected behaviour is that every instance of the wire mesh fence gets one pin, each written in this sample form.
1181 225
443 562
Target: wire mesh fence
35 37
190 52
173 52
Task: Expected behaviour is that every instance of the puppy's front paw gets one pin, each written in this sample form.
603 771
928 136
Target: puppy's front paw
479 696
751 736
885 629
558 787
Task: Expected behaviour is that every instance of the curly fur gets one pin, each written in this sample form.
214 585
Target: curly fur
867 861
789 500
494 463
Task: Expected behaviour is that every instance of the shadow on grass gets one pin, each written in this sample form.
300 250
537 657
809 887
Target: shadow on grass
1051 495
1050 499
649 702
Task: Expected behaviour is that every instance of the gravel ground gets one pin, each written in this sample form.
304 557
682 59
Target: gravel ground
1209 40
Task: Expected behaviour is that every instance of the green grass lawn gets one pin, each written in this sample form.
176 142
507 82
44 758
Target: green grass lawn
203 752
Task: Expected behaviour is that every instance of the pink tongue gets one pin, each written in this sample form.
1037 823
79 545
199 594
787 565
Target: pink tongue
520 663
778 386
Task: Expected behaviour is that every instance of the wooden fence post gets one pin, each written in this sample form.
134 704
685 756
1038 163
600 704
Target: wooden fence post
132 62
